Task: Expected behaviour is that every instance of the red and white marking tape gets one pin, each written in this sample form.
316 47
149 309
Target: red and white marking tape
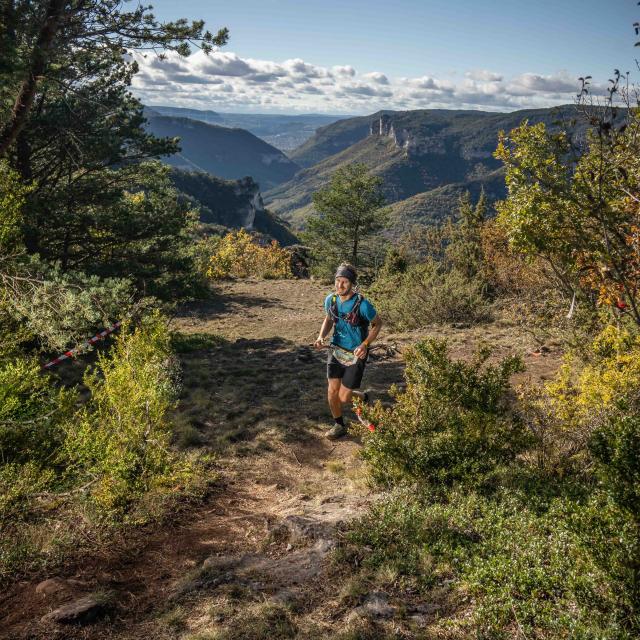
366 423
72 352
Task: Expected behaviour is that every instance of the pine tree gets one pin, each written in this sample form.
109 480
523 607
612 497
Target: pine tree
71 130
350 212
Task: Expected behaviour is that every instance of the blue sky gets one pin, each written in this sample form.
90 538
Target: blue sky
356 56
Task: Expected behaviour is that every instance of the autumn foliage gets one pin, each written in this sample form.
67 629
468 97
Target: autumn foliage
239 255
581 215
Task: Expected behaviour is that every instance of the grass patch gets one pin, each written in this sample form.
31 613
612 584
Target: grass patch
335 466
367 630
512 527
265 621
524 565
185 435
190 342
174 619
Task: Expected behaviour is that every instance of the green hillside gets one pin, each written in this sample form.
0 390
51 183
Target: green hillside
437 204
415 152
227 153
332 139
296 193
231 203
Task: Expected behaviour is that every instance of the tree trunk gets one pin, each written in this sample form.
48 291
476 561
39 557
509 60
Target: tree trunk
354 253
39 60
23 157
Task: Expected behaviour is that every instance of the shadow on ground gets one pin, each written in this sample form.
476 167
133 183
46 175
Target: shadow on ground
254 390
219 302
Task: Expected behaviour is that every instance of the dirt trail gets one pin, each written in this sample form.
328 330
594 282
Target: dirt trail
263 539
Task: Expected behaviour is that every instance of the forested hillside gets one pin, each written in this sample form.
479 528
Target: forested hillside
415 152
230 204
226 153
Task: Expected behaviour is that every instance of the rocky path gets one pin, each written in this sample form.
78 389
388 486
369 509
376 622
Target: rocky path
253 560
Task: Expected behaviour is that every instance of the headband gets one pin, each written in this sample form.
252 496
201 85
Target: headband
345 272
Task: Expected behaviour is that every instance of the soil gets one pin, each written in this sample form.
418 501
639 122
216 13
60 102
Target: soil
261 543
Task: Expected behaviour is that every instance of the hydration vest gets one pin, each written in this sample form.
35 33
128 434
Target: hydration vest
354 317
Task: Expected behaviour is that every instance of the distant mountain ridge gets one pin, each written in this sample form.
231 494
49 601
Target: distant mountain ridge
426 158
227 153
285 132
206 115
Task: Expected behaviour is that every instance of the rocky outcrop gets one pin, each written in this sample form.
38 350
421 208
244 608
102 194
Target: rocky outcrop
382 126
248 193
405 139
233 204
84 610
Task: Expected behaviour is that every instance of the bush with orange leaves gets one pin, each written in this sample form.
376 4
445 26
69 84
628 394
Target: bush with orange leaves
239 256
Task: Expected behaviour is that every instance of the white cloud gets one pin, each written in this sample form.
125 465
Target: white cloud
376 76
548 84
226 81
347 71
299 68
482 75
222 64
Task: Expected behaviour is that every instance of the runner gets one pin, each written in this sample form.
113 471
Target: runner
350 314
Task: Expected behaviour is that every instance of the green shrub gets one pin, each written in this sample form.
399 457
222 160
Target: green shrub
32 413
238 255
610 536
589 412
616 449
428 294
530 569
450 423
18 485
121 437
542 551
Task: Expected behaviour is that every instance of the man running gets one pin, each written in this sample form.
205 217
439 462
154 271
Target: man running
350 315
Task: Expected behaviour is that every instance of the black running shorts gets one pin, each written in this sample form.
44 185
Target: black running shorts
351 375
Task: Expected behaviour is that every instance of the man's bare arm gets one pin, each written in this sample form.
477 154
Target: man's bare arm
376 325
324 332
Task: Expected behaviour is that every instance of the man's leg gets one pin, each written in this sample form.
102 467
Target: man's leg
345 394
358 394
339 429
351 381
333 395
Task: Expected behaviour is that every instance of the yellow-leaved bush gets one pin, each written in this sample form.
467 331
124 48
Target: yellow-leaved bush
238 255
583 396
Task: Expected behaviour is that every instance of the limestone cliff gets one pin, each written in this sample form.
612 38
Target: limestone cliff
413 142
249 201
230 203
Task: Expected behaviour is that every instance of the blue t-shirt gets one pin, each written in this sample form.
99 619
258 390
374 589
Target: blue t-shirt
346 335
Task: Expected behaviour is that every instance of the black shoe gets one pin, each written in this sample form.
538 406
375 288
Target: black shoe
337 431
